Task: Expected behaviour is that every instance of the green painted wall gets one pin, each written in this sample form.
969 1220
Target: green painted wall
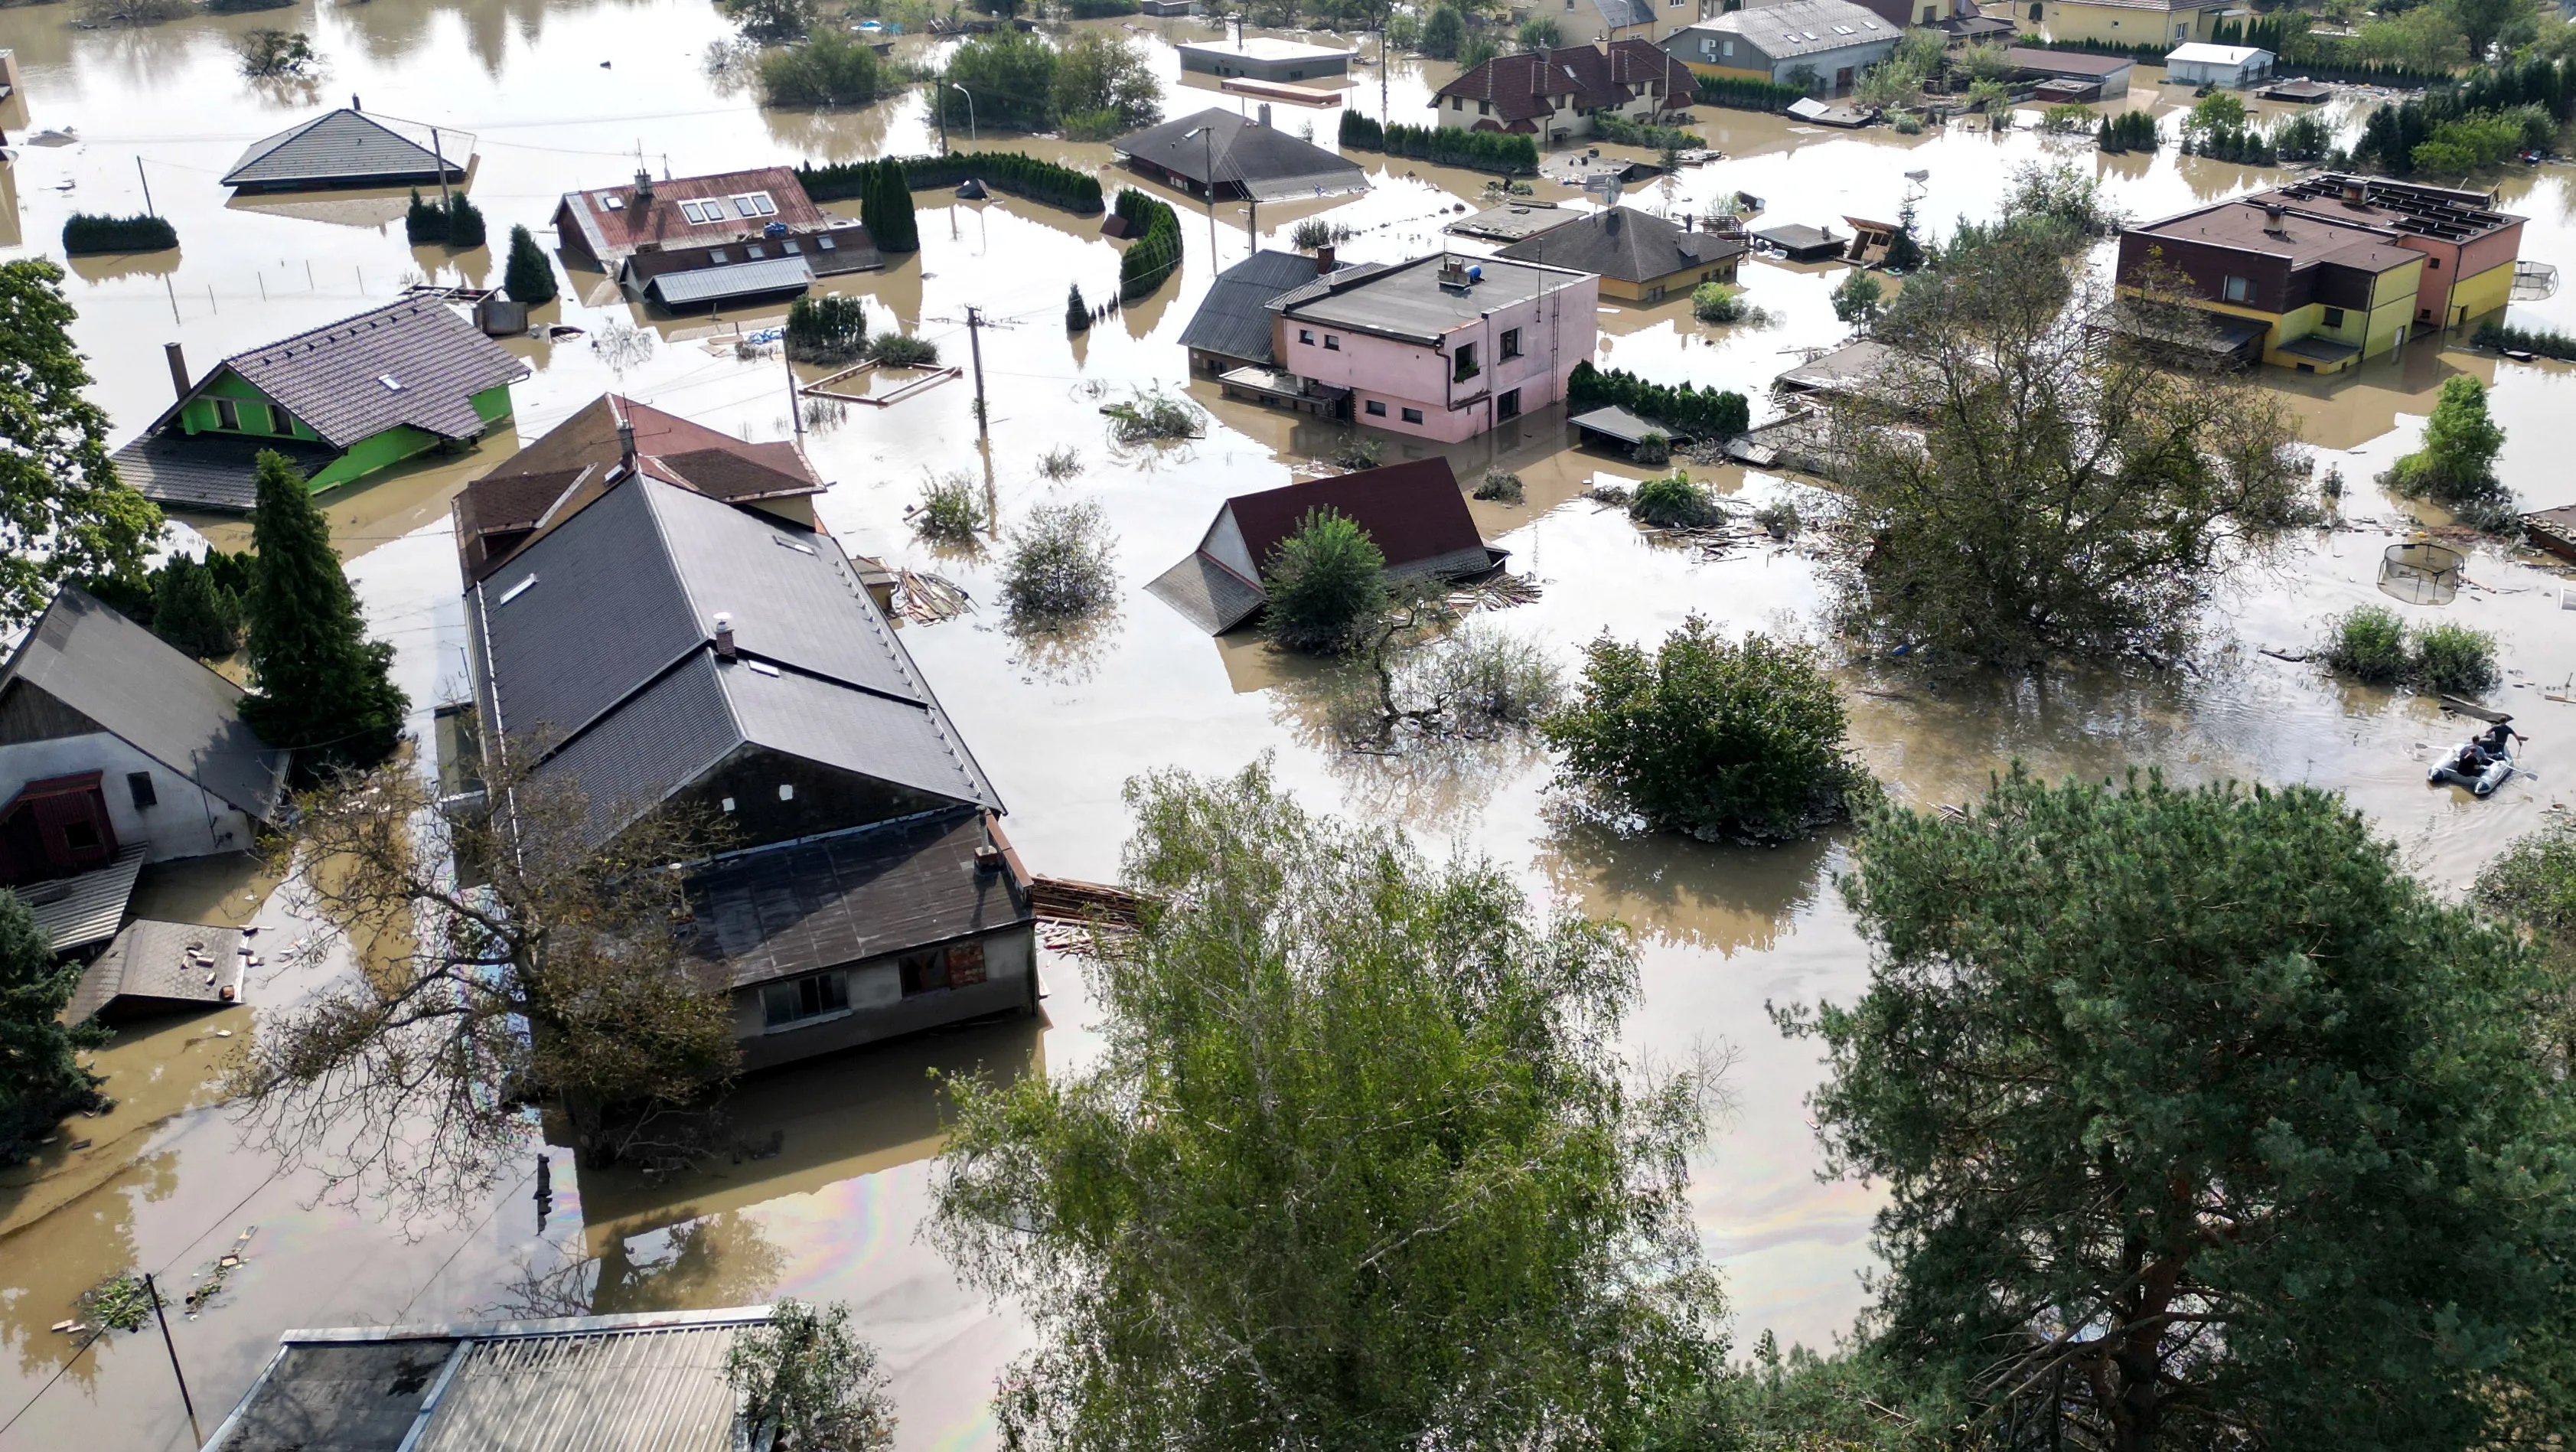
493 403
256 415
380 451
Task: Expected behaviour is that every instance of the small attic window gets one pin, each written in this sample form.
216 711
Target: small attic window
780 539
519 589
762 666
391 383
614 204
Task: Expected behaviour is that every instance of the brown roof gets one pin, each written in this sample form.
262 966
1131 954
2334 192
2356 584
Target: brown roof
2305 239
1521 87
613 226
554 478
1412 510
2440 213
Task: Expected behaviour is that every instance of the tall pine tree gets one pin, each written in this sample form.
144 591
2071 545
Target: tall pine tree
529 278
887 209
191 611
323 687
40 1080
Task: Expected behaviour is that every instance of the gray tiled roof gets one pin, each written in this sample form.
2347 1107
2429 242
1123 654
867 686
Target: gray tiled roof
137 687
787 910
608 650
1208 595
1265 160
333 376
1624 243
348 148
739 279
1796 28
209 470
150 966
1234 320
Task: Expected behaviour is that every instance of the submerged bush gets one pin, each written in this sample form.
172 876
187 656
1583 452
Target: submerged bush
949 511
903 350
1721 740
86 233
1501 486
827 328
2372 644
832 68
1061 564
2456 659
1675 501
1718 302
1154 416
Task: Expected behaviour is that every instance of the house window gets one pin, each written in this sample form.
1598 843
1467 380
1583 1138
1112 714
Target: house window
1508 404
2240 289
2432 264
1511 344
1413 415
802 999
749 204
280 421
1332 344
1465 367
716 257
2034 12
825 244
1306 336
139 783
2334 317
1457 103
1726 48
789 248
923 972
2182 31
80 836
787 791
1375 408
227 414
752 252
703 211
1484 108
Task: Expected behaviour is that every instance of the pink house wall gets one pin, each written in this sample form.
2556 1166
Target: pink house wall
1558 330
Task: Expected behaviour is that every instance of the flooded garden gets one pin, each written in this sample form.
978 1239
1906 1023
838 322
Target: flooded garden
826 1202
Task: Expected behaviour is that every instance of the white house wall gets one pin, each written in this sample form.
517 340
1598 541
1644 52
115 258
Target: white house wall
185 821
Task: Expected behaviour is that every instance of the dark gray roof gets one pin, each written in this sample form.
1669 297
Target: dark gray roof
782 911
207 471
703 285
1626 244
1234 320
333 377
1208 595
156 966
576 1384
1267 161
1621 14
346 148
1617 422
600 636
156 699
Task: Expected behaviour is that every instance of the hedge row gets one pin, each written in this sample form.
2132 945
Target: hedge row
1361 131
87 232
1009 171
1156 252
1495 151
2543 341
1702 413
1745 94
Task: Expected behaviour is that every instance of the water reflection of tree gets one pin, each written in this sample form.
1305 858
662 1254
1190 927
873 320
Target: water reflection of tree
1678 889
390 30
54 1260
725 1259
1068 653
1431 784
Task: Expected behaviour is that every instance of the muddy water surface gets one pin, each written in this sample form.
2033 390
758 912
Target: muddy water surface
830 1192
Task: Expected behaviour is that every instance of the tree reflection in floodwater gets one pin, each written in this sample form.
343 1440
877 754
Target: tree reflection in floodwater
67 1253
722 1260
1677 889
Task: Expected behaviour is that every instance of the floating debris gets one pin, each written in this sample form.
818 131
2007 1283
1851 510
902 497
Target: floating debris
1500 590
119 1303
928 599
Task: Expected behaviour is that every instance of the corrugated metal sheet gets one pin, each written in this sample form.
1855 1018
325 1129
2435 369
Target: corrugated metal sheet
346 148
75 911
739 279
650 1390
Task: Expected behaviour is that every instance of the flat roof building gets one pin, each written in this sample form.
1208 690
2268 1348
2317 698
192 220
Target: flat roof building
2301 290
2200 63
2469 247
2110 72
1266 58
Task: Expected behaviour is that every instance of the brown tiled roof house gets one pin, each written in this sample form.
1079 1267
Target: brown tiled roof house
703 240
1515 92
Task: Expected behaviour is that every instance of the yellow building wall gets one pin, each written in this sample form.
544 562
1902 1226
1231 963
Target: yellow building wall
1727 73
2121 25
2484 293
1674 284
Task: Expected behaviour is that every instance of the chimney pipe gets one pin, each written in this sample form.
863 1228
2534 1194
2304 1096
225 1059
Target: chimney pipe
626 444
2272 213
724 635
1265 114
1323 263
353 102
643 188
178 367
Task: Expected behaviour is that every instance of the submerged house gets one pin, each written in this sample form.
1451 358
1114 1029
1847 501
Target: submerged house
349 148
710 241
649 1380
1237 156
2309 287
1827 42
1553 95
662 646
115 750
603 442
1639 258
1413 511
340 401
1232 328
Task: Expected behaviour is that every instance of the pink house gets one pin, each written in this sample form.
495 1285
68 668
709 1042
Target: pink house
1440 347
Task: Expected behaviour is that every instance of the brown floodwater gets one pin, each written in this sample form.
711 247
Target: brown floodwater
828 1197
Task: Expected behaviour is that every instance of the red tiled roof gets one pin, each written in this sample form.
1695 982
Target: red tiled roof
612 225
1523 87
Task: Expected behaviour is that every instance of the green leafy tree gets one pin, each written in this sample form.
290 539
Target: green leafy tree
324 689
191 611
64 514
1107 80
530 276
887 209
41 1078
1723 740
1359 1164
1856 301
1010 75
1444 32
808 1380
771 21
1327 585
2018 492
2457 461
829 68
2201 1124
1539 33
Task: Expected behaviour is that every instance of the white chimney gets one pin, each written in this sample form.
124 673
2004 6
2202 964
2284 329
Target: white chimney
724 635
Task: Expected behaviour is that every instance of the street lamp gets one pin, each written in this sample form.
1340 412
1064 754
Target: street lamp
970 112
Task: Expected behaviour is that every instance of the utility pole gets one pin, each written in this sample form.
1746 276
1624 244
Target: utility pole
438 154
194 1435
795 411
147 188
975 349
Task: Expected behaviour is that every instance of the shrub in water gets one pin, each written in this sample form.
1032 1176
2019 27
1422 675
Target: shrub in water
530 276
949 511
1326 585
1501 486
1718 302
1722 740
1154 417
2368 644
1061 565
832 68
1674 501
827 328
2455 659
86 233
903 350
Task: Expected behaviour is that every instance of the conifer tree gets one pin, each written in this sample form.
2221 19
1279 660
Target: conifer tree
40 1079
193 613
464 223
529 278
890 221
323 688
1077 318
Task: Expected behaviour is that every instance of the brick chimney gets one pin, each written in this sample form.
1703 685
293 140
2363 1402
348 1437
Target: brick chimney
1323 264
